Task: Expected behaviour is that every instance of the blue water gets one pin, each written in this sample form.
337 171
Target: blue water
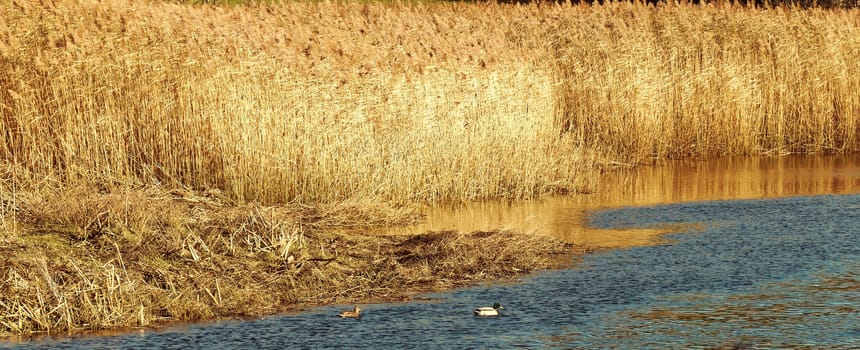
777 273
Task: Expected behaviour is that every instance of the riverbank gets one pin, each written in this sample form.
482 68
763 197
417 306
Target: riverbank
85 260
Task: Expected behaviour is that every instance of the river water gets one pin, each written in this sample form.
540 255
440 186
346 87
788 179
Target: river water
754 253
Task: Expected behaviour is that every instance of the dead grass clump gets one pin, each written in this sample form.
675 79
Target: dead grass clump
89 259
466 257
82 212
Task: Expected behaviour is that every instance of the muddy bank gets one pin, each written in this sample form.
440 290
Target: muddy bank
85 260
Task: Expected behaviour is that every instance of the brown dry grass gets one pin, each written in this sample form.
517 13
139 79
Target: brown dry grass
708 81
321 102
307 102
88 260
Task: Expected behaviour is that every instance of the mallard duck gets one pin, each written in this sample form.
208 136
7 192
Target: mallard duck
355 313
489 311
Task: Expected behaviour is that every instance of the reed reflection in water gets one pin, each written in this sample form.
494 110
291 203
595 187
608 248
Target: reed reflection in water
672 182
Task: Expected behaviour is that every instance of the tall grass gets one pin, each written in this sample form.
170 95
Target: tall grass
300 102
671 82
319 102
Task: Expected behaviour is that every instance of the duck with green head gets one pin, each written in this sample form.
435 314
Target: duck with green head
489 311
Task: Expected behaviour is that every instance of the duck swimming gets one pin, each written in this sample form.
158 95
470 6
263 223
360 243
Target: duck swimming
489 311
355 313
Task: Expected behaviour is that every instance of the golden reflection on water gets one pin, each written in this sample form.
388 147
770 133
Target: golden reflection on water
671 182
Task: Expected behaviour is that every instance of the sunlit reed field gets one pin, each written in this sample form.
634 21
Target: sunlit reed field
674 82
163 161
319 102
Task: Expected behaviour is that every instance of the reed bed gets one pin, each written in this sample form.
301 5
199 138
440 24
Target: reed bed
300 102
669 82
319 102
164 161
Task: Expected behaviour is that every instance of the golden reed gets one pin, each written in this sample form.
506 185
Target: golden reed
318 102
